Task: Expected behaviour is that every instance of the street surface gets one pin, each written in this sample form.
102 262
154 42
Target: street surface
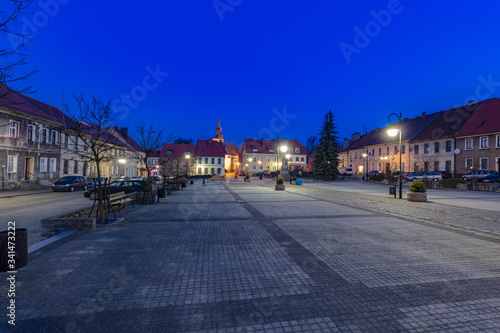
27 208
242 257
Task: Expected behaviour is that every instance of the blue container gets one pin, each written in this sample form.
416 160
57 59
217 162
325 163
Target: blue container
298 182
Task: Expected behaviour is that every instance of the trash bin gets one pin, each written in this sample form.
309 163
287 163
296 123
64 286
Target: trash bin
183 185
298 182
162 193
21 250
392 190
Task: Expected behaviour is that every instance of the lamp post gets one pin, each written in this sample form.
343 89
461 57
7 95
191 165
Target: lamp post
394 132
284 163
187 154
3 179
248 166
366 164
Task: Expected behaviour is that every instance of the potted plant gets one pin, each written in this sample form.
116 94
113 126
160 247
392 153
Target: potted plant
293 180
417 191
247 178
279 184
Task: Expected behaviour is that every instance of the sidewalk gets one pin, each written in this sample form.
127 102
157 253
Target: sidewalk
241 257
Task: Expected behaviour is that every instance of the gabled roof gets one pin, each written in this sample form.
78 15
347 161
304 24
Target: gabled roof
270 146
210 148
125 138
177 150
409 129
485 120
361 142
447 123
229 150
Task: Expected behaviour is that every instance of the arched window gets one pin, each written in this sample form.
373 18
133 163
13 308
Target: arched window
297 150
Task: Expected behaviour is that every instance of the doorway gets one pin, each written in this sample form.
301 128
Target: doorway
29 168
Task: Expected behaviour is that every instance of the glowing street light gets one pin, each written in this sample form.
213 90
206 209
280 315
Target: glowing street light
393 132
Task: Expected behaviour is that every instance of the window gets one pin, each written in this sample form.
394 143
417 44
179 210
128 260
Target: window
75 168
76 143
395 149
14 129
254 159
436 148
403 149
254 167
53 137
436 165
415 166
66 141
219 161
448 145
53 165
302 159
200 160
296 159
484 163
274 159
387 150
44 135
206 171
255 150
290 150
380 151
85 167
274 167
468 163
260 167
373 152
271 150
416 149
426 148
426 166
267 167
402 167
350 155
65 167
12 164
85 147
297 150
43 164
31 133
469 143
219 171
206 160
259 159
355 154
498 142
268 159
448 166
483 142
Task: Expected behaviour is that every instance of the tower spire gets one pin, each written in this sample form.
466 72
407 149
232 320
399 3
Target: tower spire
218 132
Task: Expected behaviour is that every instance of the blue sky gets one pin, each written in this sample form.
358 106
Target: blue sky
266 68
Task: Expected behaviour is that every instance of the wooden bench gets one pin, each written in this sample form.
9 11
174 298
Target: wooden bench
120 199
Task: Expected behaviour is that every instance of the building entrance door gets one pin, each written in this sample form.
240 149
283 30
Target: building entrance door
29 168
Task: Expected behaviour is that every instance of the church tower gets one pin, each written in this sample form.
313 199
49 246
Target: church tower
218 132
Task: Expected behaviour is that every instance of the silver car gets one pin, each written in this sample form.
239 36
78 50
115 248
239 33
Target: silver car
477 174
425 176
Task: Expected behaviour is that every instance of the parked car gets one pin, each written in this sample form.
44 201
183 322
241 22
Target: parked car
345 171
121 178
70 183
493 177
446 174
92 182
429 175
260 174
373 173
127 186
476 174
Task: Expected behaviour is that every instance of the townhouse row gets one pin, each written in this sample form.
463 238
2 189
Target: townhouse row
34 148
457 140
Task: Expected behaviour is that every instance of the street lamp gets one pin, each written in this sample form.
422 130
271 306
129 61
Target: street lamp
247 166
187 154
366 164
393 132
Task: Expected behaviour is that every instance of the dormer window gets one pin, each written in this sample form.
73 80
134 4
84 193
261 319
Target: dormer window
169 152
297 150
255 149
271 150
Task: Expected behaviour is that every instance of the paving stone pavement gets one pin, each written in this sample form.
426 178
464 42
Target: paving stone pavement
244 258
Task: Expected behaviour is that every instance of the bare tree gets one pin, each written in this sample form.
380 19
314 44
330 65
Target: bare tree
89 126
150 138
15 57
311 144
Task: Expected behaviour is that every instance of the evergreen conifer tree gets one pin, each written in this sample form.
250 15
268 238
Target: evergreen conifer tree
326 159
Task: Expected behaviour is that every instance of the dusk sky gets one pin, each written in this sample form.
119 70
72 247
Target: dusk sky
267 68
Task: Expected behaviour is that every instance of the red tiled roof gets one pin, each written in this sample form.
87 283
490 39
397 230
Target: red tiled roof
178 150
210 148
485 120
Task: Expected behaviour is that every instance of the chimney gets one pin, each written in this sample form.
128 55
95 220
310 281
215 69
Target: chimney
424 114
471 103
346 143
124 131
355 136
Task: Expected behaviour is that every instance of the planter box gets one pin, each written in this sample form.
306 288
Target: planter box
247 180
75 220
416 196
279 187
